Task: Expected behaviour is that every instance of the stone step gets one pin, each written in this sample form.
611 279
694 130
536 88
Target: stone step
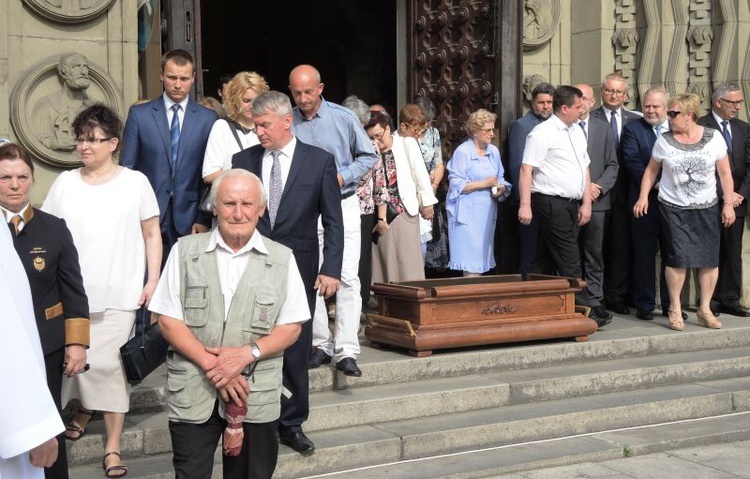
511 438
147 433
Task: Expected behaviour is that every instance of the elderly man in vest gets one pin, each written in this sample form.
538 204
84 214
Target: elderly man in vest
223 351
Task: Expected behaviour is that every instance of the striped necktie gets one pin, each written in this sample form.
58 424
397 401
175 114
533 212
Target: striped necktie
726 135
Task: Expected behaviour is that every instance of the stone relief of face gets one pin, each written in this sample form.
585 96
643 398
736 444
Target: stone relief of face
74 70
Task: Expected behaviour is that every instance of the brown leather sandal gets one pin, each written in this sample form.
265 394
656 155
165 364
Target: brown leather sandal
75 426
108 471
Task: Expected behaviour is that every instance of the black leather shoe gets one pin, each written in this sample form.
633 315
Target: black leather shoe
618 308
598 312
348 366
645 314
715 307
734 311
298 442
318 357
666 315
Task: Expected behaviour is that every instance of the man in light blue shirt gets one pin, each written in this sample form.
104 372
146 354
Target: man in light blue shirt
337 130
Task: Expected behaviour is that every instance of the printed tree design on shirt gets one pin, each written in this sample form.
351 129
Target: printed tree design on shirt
690 173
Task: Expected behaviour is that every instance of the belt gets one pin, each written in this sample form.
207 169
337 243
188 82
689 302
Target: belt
560 198
347 195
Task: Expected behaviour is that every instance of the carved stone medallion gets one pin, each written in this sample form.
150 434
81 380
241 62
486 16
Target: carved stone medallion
46 99
69 11
540 20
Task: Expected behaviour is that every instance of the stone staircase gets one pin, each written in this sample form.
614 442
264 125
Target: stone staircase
634 388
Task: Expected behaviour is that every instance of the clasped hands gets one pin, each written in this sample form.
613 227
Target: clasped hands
224 368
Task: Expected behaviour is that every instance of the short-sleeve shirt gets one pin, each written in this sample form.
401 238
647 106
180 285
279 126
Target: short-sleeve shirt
231 265
560 158
688 178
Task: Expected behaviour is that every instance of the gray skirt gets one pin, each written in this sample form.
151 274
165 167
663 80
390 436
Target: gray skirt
692 236
398 255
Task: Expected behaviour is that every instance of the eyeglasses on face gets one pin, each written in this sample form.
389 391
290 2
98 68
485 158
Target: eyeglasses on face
733 103
610 91
377 136
92 141
672 114
416 129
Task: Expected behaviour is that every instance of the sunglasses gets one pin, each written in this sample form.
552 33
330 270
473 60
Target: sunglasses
672 114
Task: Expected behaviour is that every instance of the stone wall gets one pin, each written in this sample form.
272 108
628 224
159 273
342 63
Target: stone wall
97 40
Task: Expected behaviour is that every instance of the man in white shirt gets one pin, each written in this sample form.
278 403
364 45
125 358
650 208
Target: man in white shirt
555 187
217 342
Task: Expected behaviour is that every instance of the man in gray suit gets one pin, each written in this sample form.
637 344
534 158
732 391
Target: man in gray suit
603 170
614 93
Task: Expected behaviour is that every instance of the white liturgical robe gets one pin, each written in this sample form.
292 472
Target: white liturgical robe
28 416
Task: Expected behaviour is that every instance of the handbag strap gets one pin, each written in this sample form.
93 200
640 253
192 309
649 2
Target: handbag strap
233 129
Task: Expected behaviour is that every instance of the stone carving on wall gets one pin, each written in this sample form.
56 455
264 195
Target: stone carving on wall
48 96
69 11
540 20
699 36
625 43
529 83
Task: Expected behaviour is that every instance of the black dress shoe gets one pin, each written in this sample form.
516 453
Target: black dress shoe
598 312
318 357
619 308
298 442
348 366
666 315
645 314
734 311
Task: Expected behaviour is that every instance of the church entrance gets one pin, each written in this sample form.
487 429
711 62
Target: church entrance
351 43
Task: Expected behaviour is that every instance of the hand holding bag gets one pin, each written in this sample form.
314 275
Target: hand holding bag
144 352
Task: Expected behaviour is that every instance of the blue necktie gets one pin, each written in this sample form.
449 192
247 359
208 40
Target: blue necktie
613 125
726 135
657 129
174 134
583 127
275 189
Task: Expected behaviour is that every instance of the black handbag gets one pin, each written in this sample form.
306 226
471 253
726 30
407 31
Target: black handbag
145 352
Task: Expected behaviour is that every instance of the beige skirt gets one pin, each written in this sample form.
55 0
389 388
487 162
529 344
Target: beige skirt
104 387
398 255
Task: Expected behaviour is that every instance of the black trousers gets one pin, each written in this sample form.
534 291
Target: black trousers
365 257
617 254
53 364
194 445
557 249
728 289
646 236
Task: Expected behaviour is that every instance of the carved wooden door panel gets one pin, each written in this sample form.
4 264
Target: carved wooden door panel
452 61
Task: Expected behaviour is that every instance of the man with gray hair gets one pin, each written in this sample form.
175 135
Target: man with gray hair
216 343
300 180
726 102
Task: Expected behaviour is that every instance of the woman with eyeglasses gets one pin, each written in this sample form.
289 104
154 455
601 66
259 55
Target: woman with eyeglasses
690 156
113 216
476 184
396 254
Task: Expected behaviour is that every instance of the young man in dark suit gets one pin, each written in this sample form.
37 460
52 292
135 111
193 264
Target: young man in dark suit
302 185
165 139
726 102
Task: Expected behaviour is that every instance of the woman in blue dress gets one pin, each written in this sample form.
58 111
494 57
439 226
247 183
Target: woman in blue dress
476 184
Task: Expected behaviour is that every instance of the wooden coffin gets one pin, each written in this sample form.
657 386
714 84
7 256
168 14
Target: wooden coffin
447 313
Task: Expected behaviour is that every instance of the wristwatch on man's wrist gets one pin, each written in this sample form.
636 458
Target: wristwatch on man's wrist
255 350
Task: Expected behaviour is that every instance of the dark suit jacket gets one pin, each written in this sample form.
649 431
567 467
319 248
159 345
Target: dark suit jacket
604 166
311 190
50 259
146 148
517 134
739 161
620 196
636 143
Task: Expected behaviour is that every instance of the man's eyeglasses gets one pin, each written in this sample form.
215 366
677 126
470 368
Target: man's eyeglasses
610 91
92 141
672 114
733 103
